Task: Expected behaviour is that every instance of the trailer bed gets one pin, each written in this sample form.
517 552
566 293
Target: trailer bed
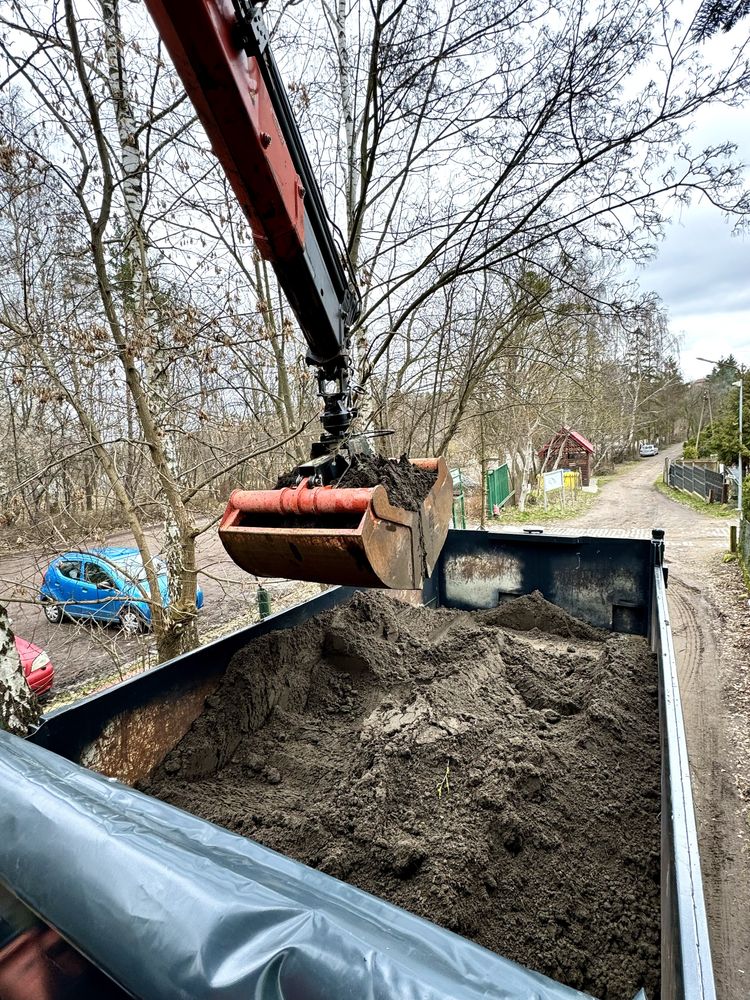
258 908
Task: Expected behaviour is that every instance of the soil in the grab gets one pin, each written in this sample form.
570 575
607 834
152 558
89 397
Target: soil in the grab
494 771
406 484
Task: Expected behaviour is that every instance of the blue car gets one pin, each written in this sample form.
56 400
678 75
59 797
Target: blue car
108 585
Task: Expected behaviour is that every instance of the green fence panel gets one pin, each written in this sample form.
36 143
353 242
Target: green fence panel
498 488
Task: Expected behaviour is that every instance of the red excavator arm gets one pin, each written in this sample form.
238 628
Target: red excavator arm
220 49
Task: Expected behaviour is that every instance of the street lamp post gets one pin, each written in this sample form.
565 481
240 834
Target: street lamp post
739 485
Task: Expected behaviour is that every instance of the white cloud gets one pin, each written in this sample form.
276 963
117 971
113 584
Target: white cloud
702 274
712 335
702 270
701 267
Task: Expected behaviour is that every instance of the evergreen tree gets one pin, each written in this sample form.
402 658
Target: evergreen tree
722 436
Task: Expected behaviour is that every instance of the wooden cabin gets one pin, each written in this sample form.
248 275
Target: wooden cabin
568 450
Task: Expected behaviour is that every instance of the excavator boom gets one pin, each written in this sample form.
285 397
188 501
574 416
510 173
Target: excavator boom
220 49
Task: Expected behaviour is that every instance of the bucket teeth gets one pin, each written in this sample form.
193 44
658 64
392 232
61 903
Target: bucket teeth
326 534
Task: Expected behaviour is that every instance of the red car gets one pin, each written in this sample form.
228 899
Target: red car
37 668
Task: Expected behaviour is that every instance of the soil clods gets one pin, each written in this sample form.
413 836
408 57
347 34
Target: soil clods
495 771
407 485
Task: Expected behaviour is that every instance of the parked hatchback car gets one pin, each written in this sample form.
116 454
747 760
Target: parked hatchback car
649 450
37 666
108 585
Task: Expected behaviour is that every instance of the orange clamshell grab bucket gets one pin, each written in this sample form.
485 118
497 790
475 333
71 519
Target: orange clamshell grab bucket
353 537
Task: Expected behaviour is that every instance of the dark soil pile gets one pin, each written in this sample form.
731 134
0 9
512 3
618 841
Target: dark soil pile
498 779
406 485
532 612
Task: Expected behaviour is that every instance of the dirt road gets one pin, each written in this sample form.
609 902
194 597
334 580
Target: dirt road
85 651
710 621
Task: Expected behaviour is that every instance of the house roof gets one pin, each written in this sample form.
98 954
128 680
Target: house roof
573 435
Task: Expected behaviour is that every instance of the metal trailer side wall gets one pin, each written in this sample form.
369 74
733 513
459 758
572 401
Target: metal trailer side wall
686 966
615 583
604 581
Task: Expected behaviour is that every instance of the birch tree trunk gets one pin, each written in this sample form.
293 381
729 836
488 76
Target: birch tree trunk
18 706
180 627
347 111
353 157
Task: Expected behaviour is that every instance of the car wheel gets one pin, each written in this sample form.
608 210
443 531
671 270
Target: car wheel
53 613
130 621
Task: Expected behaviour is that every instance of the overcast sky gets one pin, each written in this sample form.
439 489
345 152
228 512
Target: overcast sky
702 271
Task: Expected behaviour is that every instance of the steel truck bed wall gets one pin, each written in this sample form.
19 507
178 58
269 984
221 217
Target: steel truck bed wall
614 583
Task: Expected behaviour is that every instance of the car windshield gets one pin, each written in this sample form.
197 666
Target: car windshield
134 568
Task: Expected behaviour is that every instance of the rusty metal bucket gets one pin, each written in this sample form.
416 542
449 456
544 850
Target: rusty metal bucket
344 536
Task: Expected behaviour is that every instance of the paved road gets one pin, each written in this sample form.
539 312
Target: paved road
707 614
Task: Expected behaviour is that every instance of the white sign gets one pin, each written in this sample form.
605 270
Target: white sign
553 480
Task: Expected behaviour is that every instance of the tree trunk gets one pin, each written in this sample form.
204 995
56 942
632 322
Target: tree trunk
19 710
180 631
483 471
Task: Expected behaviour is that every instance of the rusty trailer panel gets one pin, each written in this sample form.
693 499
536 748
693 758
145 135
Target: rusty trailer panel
133 742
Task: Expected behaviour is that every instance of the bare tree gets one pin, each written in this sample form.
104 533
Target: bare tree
490 163
475 136
120 328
